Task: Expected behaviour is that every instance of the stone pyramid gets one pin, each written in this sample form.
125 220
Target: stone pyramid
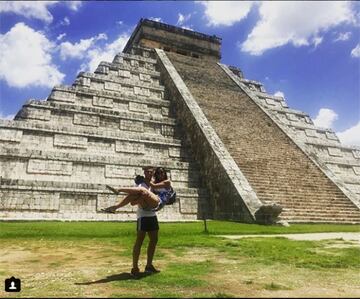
233 151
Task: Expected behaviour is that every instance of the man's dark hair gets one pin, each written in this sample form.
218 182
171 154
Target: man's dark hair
139 179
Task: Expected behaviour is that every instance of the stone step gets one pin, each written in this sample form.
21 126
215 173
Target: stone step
294 204
314 220
117 67
92 145
90 158
101 122
140 58
106 98
45 111
12 131
124 78
112 106
109 104
327 214
304 219
143 52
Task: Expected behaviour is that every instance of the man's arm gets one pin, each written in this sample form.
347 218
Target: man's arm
163 184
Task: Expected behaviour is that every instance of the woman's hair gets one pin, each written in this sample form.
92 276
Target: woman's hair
157 172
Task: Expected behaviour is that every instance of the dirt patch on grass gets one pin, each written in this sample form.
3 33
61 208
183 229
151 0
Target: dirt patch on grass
99 269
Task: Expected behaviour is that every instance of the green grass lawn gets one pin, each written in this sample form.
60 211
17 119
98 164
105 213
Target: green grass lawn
59 230
92 259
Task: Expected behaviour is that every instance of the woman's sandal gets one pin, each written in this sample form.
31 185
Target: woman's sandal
112 189
110 210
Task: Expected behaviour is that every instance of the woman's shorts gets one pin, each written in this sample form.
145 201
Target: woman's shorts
147 224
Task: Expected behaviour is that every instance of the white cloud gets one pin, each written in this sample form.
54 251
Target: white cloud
182 19
325 118
317 40
7 117
119 23
350 136
342 36
61 36
356 51
155 19
297 22
65 22
106 53
73 5
26 58
187 27
77 50
279 94
30 9
36 9
226 12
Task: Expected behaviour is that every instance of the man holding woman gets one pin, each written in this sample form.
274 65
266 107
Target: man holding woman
148 202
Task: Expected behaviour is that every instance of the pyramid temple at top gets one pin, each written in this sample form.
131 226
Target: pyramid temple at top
232 150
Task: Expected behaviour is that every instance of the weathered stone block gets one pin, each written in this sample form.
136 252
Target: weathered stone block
86 120
138 107
334 151
129 147
102 102
311 133
141 91
167 130
33 113
292 117
63 96
112 86
124 74
70 141
49 167
28 200
165 111
131 125
145 77
188 205
174 152
10 135
115 171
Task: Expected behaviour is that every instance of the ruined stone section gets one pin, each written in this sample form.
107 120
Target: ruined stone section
339 163
57 155
231 195
274 165
151 34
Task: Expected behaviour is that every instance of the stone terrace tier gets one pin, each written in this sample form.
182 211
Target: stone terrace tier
276 168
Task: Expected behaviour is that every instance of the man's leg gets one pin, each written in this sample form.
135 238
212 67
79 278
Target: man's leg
137 247
153 236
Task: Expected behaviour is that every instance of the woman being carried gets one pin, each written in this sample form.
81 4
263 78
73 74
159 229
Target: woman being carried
143 197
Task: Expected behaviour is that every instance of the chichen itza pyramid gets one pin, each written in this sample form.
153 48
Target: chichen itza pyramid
232 150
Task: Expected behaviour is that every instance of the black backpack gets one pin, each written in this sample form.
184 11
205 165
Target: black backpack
172 197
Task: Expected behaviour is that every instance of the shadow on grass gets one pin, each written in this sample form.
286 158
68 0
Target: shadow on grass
117 277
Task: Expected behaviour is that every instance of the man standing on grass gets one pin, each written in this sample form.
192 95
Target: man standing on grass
146 223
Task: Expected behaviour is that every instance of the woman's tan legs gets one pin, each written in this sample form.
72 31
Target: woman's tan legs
141 196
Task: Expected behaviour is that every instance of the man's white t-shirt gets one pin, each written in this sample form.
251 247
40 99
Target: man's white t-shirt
140 211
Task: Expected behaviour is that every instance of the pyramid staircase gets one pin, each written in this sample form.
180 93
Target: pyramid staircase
285 158
57 155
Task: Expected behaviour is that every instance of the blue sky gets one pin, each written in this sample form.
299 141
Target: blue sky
309 52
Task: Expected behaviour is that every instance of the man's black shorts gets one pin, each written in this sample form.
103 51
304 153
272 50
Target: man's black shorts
147 224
